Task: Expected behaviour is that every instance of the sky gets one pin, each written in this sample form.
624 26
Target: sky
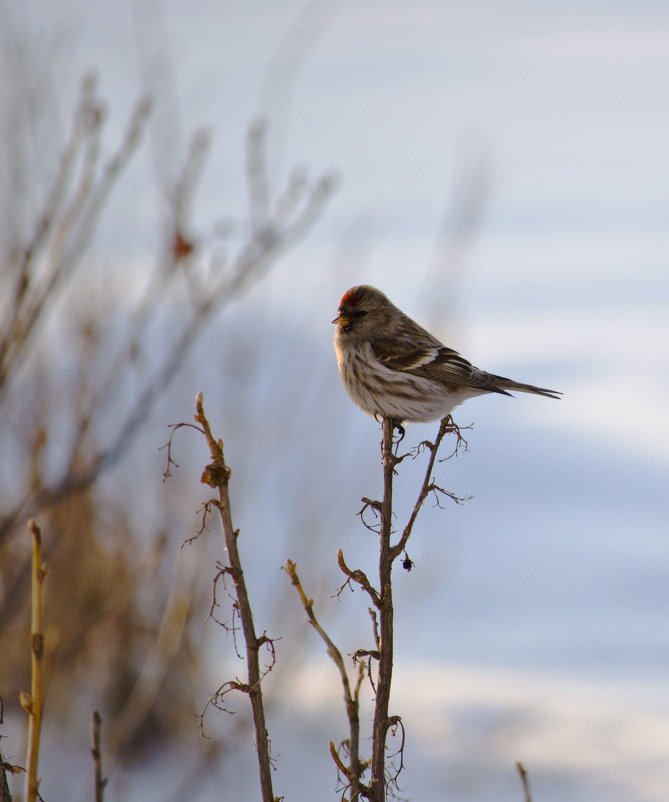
502 174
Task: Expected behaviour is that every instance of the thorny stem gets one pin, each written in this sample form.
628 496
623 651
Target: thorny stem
217 475
381 717
383 599
445 427
382 619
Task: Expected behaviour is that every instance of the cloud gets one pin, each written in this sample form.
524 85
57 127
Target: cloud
615 45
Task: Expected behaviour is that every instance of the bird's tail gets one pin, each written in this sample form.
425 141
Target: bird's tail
501 385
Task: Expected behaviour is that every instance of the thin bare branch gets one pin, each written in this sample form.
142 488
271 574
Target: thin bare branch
383 775
525 781
15 333
33 703
359 577
73 223
396 758
217 475
96 751
447 426
352 772
5 795
263 247
386 628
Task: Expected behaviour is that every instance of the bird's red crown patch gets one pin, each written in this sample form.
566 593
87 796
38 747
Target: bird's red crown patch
351 297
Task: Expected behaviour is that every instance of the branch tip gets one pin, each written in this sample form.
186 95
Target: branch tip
35 530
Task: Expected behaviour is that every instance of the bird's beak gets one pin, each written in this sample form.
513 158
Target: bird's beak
341 320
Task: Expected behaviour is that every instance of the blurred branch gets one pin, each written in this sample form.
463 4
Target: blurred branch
5 795
266 244
282 70
461 222
525 781
100 779
274 229
33 702
158 659
80 373
65 226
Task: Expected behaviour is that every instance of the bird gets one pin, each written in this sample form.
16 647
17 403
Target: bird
393 368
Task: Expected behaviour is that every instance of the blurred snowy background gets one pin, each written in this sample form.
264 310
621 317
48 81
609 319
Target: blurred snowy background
503 175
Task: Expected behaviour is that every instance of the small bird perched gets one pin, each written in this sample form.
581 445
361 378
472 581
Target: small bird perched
392 367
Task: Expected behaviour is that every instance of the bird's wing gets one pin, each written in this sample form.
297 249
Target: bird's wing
435 362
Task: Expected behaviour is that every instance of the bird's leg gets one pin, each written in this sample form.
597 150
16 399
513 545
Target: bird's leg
397 424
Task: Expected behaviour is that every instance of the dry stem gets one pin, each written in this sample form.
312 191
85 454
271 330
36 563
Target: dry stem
217 475
5 795
446 427
382 612
63 231
525 781
33 703
100 779
386 631
353 771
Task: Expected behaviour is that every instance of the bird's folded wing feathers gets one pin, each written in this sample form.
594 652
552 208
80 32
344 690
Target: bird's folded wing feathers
431 362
